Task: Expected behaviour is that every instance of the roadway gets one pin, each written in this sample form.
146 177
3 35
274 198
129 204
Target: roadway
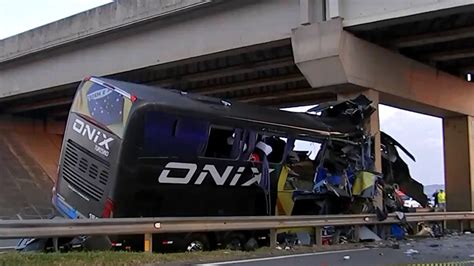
8 244
447 250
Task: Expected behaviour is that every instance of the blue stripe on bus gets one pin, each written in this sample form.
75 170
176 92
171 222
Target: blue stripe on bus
65 208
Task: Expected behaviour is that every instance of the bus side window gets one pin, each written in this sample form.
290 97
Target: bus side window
191 135
224 142
278 149
278 145
170 136
158 131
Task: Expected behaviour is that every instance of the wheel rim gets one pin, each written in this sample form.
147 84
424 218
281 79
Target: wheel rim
234 244
195 246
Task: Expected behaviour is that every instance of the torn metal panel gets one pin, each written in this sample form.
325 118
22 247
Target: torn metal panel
346 116
337 159
396 170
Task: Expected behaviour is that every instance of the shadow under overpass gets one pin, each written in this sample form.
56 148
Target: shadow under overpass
27 162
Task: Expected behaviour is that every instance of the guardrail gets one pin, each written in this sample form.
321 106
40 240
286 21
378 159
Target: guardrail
148 226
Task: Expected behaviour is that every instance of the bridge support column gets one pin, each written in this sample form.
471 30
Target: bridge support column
373 125
459 163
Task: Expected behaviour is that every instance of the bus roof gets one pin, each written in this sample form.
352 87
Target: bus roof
157 98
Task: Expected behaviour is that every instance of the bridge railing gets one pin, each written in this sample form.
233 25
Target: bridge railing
147 226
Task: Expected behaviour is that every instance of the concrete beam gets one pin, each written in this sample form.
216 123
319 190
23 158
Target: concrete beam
250 84
293 101
458 135
284 95
392 12
450 55
226 27
327 55
98 21
40 105
228 71
431 38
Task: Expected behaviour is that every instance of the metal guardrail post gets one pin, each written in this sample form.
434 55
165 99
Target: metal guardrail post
461 226
273 238
318 238
357 233
148 242
56 244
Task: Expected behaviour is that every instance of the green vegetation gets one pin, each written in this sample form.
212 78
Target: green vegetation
135 258
119 258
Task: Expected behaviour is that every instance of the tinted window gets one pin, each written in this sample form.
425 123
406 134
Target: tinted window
166 135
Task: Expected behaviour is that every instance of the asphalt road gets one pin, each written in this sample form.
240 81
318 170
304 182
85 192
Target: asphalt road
7 244
447 250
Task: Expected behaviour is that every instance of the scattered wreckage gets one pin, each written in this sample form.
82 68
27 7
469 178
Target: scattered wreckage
131 150
341 179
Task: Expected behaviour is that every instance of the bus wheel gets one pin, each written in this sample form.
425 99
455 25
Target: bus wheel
197 243
235 241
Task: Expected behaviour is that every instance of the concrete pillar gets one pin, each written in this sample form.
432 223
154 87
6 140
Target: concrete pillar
459 162
373 126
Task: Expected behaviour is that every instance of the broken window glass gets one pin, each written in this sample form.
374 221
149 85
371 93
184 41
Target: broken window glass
302 164
224 142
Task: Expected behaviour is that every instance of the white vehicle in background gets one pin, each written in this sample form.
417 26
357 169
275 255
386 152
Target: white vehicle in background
410 203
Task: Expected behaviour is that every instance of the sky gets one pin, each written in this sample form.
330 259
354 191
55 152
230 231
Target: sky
17 16
420 134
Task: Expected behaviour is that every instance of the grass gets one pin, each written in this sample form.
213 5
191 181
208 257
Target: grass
135 258
121 258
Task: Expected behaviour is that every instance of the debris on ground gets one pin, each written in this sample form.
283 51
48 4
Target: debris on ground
367 234
347 257
425 230
411 251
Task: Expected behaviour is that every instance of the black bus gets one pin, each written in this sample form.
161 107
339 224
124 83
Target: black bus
132 150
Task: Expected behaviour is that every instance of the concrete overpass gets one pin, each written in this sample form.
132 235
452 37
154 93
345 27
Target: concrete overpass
411 54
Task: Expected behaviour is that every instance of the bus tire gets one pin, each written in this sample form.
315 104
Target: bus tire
235 241
197 242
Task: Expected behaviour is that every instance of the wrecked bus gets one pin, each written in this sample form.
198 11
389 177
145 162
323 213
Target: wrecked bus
136 151
131 150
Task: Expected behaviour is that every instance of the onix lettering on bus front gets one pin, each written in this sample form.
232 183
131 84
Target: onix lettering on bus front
100 139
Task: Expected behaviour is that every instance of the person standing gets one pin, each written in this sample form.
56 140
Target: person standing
435 199
442 200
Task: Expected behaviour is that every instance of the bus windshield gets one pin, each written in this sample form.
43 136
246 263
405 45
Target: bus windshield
104 105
